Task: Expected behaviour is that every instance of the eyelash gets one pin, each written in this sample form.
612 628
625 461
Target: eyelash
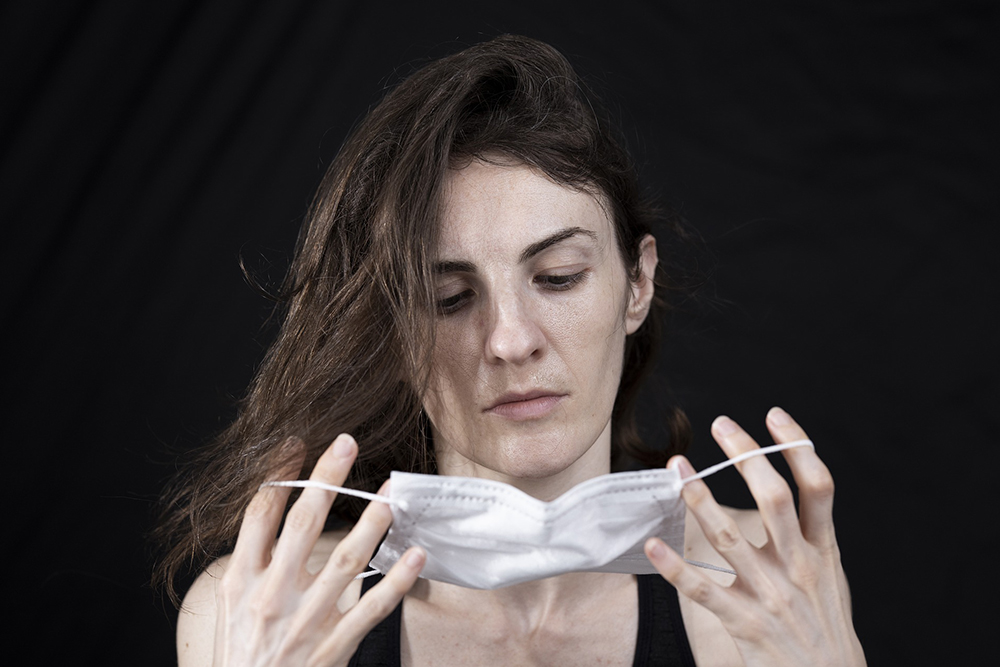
452 303
553 283
560 282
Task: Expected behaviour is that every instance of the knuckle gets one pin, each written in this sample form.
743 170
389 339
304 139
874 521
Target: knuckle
805 571
804 578
263 609
327 469
346 560
379 607
258 507
773 604
696 494
699 591
819 484
301 519
727 536
751 628
777 497
776 599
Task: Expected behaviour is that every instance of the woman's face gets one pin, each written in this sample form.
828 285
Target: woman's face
533 308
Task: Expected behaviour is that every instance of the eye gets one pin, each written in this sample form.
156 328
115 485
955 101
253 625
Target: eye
450 304
560 282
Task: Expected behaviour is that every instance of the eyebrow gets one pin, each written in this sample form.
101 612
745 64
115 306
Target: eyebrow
550 241
526 254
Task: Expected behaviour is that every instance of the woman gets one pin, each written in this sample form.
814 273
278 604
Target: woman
474 295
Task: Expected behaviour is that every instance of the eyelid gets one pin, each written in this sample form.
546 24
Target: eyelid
456 291
563 282
453 303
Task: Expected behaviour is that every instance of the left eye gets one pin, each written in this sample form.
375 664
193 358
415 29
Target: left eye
560 282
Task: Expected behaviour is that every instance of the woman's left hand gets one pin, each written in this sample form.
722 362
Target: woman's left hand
789 604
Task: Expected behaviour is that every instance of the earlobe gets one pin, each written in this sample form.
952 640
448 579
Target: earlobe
641 294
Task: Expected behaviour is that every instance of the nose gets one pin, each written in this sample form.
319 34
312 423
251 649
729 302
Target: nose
514 333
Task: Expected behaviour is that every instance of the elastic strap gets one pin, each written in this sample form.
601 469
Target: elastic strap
309 483
709 566
748 455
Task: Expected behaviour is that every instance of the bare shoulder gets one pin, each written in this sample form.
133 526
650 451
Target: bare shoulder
199 611
196 620
710 643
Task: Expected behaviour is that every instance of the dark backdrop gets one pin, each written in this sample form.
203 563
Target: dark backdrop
841 164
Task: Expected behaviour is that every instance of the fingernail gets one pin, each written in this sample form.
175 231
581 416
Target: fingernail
655 548
779 417
343 446
415 558
723 425
684 468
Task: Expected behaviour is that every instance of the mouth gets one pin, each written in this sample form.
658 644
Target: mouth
524 406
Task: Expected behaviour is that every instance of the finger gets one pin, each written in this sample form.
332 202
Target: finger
687 580
769 489
373 606
719 528
351 555
263 515
307 517
812 477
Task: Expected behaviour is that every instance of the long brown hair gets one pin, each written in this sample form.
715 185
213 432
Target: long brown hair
351 354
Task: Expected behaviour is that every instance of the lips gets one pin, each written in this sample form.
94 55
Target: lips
527 405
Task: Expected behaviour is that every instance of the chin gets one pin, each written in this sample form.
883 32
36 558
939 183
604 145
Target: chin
535 461
533 471
534 453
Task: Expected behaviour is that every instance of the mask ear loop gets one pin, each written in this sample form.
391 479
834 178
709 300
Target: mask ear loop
313 484
711 470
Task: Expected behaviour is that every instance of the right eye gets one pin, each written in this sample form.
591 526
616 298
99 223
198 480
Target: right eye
450 304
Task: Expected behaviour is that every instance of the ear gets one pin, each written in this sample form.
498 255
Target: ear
641 294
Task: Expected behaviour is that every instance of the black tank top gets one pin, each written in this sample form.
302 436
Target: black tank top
660 642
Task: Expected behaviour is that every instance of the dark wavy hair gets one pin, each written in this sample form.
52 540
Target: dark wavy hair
352 352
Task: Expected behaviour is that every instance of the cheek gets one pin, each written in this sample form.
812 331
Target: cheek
453 374
591 331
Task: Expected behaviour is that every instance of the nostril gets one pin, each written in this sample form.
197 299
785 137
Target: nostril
514 344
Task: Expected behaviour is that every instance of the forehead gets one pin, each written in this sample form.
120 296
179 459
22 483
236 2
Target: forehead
493 206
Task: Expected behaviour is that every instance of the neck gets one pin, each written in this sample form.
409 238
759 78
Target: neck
524 608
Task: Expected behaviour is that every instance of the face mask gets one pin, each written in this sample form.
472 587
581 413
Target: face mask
484 534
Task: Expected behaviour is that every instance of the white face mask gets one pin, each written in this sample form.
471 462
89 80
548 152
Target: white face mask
480 533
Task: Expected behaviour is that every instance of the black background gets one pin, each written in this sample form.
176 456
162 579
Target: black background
839 160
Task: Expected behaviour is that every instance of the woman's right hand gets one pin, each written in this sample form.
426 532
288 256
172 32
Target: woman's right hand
270 610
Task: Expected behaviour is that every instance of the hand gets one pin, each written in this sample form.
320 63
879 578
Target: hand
271 611
789 604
